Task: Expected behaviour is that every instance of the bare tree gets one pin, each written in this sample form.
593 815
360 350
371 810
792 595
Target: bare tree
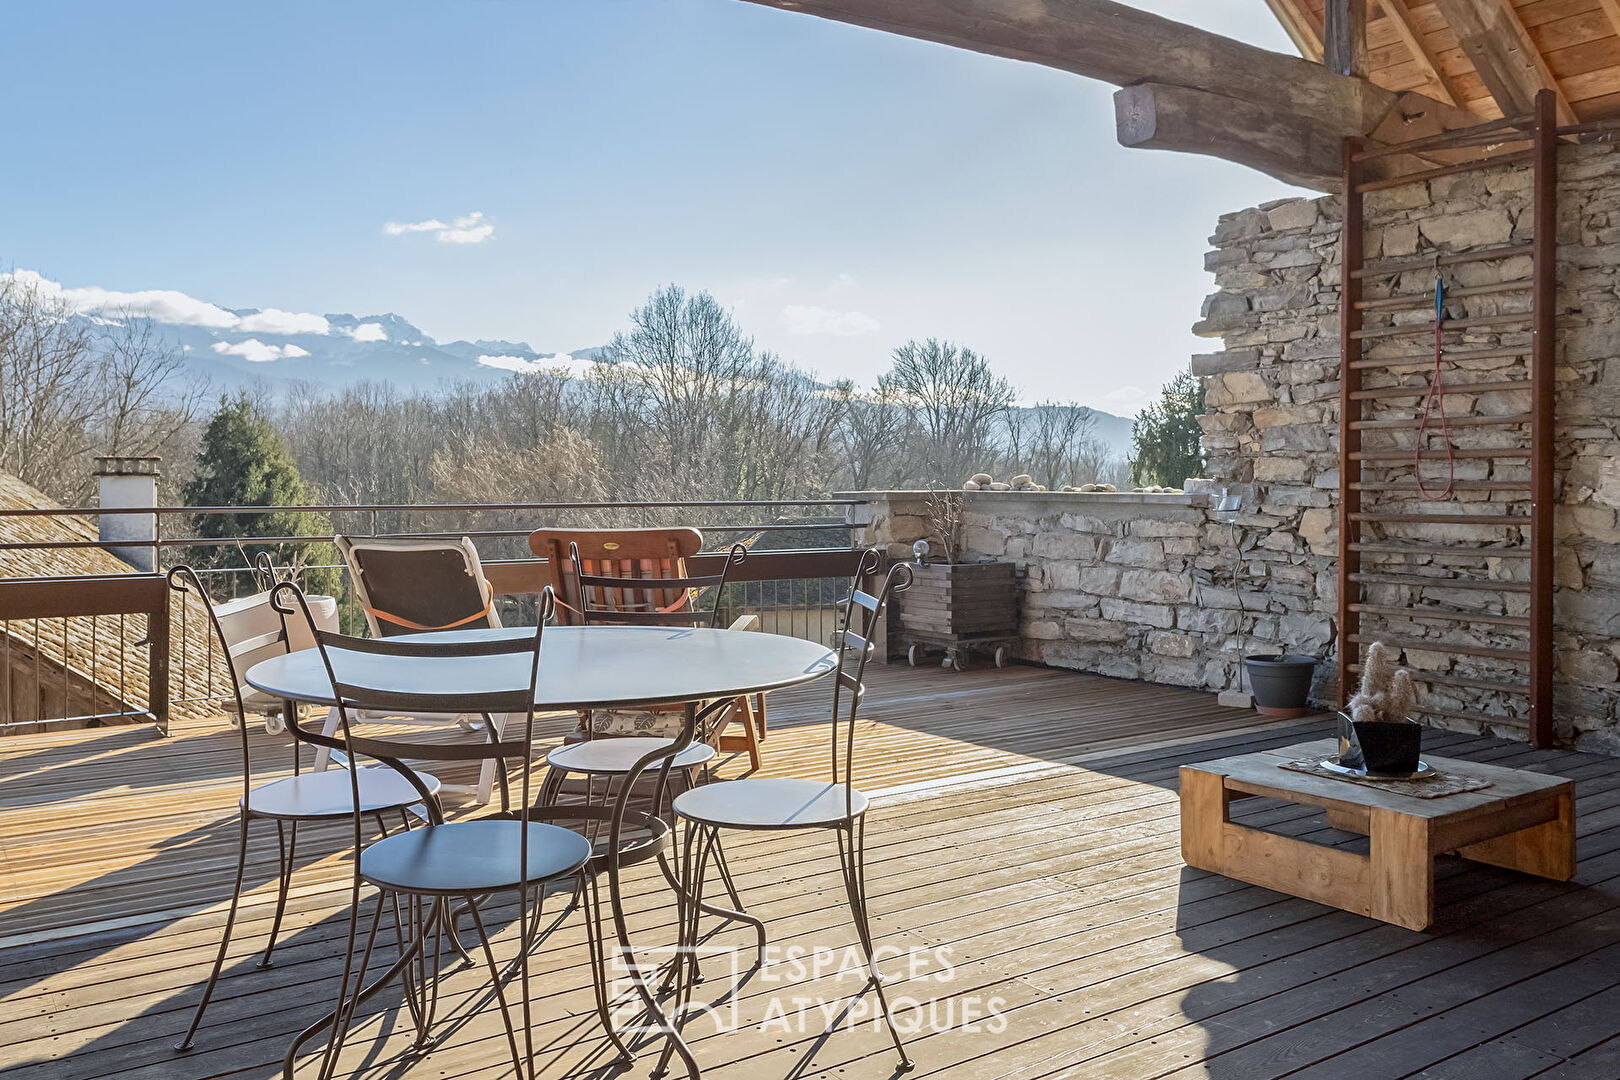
876 430
958 401
71 388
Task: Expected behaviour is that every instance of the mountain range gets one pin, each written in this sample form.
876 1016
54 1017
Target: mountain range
267 349
376 348
388 348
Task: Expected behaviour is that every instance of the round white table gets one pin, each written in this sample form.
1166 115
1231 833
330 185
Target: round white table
581 667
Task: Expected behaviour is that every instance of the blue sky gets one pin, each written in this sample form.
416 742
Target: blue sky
841 189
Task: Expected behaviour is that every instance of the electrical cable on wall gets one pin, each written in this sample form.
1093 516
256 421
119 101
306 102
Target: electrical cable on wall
1435 400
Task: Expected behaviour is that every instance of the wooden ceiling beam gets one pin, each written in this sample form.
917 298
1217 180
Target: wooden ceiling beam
1400 17
1300 31
1283 144
1496 42
1344 37
1178 79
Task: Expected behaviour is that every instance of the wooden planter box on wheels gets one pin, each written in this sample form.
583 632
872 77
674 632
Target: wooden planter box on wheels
960 606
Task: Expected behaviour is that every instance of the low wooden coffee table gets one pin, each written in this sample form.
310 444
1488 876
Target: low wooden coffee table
1524 821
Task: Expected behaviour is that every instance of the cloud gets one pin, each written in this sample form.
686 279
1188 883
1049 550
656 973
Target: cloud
255 351
395 228
472 229
807 319
369 331
511 363
276 321
468 229
169 306
1130 398
564 361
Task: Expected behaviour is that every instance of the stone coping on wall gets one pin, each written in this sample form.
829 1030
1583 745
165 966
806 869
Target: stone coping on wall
984 500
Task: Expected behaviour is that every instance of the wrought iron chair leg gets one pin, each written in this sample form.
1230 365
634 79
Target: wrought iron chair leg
739 911
682 882
690 913
348 1003
595 941
406 983
225 938
855 884
287 852
500 995
455 915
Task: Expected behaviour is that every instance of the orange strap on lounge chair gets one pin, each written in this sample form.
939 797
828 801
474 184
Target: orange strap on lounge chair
489 603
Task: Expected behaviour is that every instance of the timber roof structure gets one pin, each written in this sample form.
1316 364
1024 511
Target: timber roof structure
1476 53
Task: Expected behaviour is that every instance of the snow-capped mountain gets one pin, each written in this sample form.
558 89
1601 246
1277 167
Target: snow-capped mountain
354 348
272 348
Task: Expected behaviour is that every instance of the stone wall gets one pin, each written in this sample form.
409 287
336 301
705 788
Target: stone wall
1144 586
1134 586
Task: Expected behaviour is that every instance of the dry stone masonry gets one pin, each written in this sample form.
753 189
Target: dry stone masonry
1160 587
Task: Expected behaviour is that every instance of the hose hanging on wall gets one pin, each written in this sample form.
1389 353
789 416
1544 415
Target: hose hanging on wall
1436 400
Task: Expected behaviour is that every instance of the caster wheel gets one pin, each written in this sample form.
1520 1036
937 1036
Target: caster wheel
274 725
1001 656
911 656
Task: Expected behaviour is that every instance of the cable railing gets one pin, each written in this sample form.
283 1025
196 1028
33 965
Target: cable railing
87 638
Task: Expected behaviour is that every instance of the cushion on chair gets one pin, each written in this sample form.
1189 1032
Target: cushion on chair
638 722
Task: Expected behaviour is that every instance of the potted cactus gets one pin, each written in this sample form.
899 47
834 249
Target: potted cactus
1376 731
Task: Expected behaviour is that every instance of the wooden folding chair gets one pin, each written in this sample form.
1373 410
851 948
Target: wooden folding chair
640 553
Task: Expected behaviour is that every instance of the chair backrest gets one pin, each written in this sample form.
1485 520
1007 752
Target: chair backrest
612 600
345 660
857 640
408 586
638 553
242 644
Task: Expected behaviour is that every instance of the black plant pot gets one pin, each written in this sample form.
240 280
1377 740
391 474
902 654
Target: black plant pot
1390 747
1281 683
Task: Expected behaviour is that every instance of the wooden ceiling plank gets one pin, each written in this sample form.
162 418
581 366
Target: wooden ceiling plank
1538 12
1611 8
1399 13
1298 28
1566 112
1502 53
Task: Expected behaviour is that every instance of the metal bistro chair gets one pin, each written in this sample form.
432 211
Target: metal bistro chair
467 861
293 799
781 805
634 600
414 586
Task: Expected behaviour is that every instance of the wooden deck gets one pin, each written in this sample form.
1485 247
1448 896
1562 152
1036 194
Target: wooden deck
1025 835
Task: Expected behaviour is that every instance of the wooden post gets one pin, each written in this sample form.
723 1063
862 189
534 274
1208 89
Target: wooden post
1350 258
1344 37
1543 358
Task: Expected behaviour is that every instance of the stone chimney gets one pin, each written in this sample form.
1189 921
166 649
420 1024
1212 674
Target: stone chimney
126 482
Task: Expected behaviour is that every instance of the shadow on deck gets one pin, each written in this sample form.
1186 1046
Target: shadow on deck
1024 860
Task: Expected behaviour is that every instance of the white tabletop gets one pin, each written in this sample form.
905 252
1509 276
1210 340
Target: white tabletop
581 667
